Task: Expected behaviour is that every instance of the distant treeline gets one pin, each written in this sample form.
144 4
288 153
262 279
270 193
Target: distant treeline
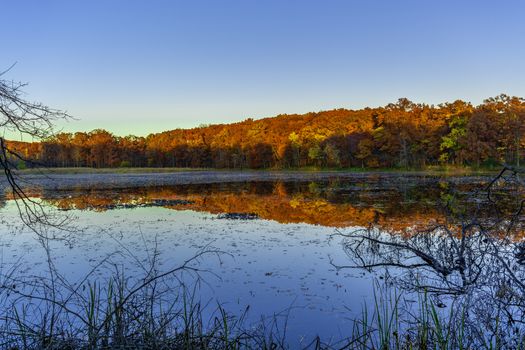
402 134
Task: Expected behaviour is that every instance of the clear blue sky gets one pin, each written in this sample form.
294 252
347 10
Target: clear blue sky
146 66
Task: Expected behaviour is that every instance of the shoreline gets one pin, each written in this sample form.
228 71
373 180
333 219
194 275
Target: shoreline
460 171
112 179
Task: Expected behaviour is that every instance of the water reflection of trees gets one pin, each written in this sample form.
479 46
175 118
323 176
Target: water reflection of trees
391 202
473 260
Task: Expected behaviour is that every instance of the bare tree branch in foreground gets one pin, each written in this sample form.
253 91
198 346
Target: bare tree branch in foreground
31 119
474 260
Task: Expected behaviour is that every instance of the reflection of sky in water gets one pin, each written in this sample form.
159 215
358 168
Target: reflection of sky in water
272 266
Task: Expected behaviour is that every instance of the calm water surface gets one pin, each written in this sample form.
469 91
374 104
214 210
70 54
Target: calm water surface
276 236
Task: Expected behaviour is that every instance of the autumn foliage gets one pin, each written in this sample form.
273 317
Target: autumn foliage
290 202
404 134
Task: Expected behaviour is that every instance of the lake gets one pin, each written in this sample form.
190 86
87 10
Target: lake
273 237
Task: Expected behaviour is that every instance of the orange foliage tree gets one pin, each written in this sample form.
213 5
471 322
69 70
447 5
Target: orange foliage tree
402 134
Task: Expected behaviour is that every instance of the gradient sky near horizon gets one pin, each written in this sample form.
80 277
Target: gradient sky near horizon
136 67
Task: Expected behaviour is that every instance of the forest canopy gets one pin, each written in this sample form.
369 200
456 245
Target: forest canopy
402 134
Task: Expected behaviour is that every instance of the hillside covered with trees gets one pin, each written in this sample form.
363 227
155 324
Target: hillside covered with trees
402 134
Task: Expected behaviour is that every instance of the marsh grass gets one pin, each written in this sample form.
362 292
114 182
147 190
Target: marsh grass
105 316
158 310
161 310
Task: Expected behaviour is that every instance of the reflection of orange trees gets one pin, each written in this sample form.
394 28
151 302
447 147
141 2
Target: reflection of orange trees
275 205
28 192
305 210
96 200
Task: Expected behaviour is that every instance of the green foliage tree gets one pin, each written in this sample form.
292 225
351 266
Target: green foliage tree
451 142
316 154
